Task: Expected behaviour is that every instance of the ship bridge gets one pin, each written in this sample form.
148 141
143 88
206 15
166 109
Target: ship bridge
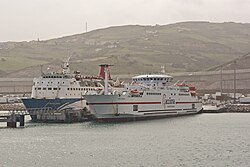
153 79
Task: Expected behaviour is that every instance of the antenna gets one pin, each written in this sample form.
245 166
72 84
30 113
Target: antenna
86 26
41 69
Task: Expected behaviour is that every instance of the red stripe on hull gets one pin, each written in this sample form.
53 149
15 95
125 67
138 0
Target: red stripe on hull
186 102
111 103
124 103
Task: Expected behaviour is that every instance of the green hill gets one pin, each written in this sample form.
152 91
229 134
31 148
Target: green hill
133 49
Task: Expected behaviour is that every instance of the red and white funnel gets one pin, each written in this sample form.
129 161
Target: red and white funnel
103 68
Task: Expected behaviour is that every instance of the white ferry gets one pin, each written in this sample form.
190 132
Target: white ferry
58 91
147 97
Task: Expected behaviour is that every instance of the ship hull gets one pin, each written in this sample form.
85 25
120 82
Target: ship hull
112 108
37 106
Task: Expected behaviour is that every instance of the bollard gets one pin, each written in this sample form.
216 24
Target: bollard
22 120
11 121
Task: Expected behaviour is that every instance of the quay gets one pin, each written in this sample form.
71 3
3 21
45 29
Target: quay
13 113
12 117
238 108
229 108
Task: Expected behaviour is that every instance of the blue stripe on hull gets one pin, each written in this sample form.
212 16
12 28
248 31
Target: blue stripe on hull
54 104
40 104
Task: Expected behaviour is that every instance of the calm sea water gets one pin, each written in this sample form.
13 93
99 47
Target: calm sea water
200 140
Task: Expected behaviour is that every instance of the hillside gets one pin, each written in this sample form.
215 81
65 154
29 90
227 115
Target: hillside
133 49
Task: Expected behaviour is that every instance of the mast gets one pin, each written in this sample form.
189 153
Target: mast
106 81
41 69
234 81
221 80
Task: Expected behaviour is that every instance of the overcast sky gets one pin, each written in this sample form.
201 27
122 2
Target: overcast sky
45 19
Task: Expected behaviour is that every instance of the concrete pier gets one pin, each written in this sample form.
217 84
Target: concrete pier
12 118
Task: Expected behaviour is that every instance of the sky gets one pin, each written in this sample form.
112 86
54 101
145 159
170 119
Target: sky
25 20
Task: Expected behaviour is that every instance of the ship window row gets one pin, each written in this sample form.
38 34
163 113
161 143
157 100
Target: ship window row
155 79
48 88
88 89
52 77
153 93
49 82
183 94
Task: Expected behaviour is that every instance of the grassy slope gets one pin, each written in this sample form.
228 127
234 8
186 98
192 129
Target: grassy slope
190 46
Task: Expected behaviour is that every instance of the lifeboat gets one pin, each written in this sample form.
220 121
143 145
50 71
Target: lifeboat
192 90
187 88
135 92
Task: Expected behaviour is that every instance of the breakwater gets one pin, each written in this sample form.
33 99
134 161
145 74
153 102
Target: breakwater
205 82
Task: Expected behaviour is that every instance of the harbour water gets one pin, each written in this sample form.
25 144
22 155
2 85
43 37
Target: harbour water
200 140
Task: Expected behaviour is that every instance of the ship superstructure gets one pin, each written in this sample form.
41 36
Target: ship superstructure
60 91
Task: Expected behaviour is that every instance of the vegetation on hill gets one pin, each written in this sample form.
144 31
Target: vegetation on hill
133 49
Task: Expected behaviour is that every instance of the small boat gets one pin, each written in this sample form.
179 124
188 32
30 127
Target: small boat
214 108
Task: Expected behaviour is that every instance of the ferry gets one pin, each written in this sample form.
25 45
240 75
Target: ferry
60 91
147 97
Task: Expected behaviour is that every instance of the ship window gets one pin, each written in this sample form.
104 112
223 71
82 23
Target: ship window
54 88
74 88
58 82
49 88
35 88
63 82
59 88
44 88
68 88
81 88
39 88
135 107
